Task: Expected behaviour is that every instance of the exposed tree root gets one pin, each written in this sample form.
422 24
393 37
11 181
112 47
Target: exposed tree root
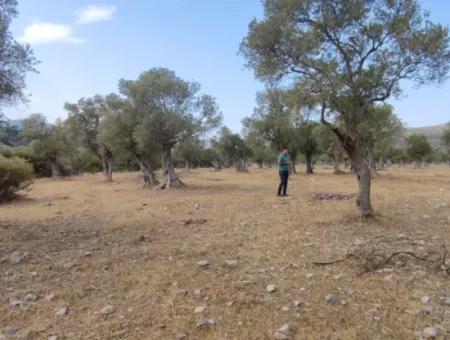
375 260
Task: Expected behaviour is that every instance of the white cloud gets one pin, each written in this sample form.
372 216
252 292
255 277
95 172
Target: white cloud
46 32
95 13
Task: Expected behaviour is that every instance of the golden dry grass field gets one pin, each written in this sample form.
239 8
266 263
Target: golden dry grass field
86 245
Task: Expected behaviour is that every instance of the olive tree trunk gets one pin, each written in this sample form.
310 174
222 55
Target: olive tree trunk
107 160
309 165
150 179
364 176
170 178
55 168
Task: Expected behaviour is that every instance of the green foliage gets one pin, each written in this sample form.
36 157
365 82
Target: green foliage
418 147
171 109
16 59
15 175
232 148
446 139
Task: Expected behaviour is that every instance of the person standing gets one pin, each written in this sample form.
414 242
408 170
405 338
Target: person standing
283 169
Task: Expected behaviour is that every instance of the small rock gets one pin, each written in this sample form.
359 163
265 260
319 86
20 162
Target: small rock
108 309
62 311
297 303
50 297
15 304
447 301
271 288
181 336
285 308
34 274
430 332
425 299
198 293
232 263
206 323
203 263
87 254
197 206
283 333
331 299
31 297
182 292
309 275
199 309
15 258
53 337
10 330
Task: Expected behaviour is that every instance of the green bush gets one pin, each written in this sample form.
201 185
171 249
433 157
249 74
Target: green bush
15 175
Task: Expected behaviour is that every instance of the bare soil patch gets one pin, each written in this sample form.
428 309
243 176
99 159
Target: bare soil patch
127 262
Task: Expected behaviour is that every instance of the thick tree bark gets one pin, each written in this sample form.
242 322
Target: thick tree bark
107 160
309 166
260 164
55 168
293 165
150 179
372 164
170 180
241 166
362 170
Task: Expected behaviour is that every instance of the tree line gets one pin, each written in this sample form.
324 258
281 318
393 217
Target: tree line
329 67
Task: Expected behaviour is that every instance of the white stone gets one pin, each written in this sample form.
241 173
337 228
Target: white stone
206 323
62 311
425 299
232 263
271 288
108 309
199 309
15 303
203 263
15 258
331 299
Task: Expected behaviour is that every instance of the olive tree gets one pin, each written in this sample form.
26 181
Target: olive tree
172 110
446 140
418 148
349 55
118 131
83 122
15 59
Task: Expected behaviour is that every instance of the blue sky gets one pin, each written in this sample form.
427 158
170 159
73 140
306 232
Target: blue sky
85 47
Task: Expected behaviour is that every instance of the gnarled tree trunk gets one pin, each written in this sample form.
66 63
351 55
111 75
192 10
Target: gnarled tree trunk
150 179
55 168
372 164
336 165
309 165
170 178
363 174
107 160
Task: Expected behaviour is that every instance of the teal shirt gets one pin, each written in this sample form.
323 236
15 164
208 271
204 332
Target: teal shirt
284 162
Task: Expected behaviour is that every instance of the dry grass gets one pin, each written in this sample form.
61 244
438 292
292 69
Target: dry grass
143 247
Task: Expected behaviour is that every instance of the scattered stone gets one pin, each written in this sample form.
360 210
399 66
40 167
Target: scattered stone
181 336
203 263
199 309
50 297
15 258
87 254
425 299
34 274
297 303
31 297
284 333
271 288
62 311
433 332
15 304
53 337
197 206
10 330
198 293
182 292
232 263
206 323
108 309
285 308
337 277
331 299
309 275
447 301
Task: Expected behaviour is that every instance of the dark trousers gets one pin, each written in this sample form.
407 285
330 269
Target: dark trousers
282 189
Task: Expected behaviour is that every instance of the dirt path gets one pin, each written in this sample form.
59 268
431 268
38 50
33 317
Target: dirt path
94 245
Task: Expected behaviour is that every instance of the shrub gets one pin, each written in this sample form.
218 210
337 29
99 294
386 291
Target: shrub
15 175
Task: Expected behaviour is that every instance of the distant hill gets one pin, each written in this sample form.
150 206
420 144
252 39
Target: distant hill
433 133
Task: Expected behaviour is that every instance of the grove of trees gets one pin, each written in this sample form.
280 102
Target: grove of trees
329 67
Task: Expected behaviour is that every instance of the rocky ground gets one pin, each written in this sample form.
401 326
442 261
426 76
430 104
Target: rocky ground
224 258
